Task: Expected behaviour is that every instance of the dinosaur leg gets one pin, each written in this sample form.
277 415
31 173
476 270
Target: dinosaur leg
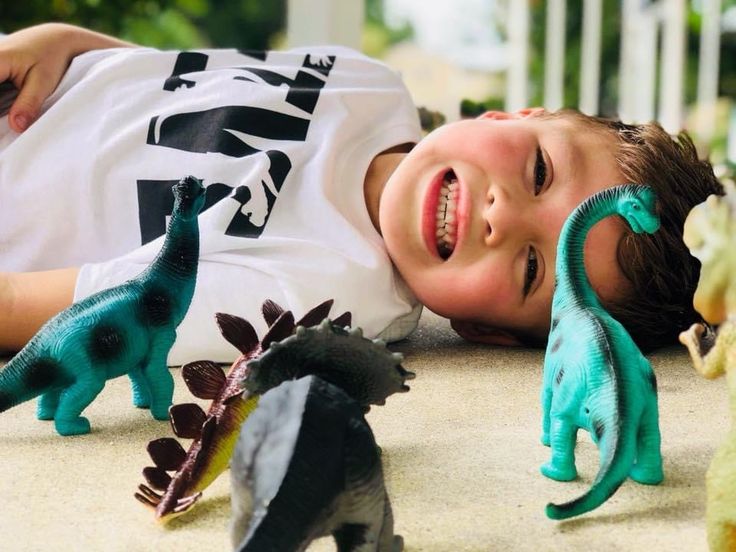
561 466
387 540
371 522
648 466
546 406
72 401
141 391
47 405
157 376
241 500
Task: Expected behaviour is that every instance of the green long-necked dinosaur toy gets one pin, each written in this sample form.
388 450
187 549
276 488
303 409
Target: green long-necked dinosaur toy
128 329
595 377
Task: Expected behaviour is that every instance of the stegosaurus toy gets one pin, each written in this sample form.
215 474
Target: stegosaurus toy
710 234
595 377
128 329
307 465
363 368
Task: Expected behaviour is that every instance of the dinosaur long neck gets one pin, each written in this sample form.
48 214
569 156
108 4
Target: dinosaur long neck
176 263
572 284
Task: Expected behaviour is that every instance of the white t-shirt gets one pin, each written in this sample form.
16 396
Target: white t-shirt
281 140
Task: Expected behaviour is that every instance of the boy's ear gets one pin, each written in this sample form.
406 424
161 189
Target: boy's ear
520 114
482 333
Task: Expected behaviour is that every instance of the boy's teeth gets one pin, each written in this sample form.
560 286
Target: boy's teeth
446 207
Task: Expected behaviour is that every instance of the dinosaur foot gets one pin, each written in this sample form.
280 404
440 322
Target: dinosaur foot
47 405
76 426
141 402
159 413
153 500
699 340
558 473
45 413
398 544
544 439
647 475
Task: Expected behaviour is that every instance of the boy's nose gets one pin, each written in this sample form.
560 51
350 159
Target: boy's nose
505 220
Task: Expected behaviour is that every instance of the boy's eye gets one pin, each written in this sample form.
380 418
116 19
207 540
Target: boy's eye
531 270
540 172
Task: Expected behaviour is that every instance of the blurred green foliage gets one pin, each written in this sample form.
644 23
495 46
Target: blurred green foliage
377 36
243 24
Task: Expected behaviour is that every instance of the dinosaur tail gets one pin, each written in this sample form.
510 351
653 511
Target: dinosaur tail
27 376
618 451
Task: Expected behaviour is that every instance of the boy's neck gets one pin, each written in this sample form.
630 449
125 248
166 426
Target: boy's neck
379 171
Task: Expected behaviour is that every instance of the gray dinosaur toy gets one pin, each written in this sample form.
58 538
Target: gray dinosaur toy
307 465
595 377
128 329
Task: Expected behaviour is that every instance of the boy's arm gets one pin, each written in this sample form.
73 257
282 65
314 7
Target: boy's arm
35 59
29 299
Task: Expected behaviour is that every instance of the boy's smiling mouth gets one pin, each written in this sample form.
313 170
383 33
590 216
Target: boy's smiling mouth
446 216
443 214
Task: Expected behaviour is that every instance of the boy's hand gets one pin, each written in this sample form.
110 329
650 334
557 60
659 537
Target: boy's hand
35 59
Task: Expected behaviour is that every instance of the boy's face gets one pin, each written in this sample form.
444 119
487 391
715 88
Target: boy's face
513 179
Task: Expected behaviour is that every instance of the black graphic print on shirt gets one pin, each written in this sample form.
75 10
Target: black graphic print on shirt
225 130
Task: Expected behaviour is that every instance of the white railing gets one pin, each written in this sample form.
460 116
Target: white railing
643 21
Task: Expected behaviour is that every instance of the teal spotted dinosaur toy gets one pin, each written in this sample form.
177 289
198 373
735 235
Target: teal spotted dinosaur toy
128 329
595 377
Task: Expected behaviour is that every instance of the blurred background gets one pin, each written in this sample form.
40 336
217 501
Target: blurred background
670 60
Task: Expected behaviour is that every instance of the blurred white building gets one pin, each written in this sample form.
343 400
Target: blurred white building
456 51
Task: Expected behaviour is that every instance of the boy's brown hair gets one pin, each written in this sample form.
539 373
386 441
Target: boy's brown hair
659 266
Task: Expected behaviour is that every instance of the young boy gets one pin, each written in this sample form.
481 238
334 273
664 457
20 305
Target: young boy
320 185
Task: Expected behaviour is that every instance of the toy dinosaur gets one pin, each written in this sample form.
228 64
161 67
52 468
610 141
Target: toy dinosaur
128 329
306 466
710 234
595 377
366 369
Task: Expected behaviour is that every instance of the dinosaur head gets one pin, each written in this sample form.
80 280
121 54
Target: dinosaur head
638 207
189 196
709 232
365 369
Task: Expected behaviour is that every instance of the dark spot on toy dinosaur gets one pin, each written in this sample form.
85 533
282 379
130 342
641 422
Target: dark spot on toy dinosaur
106 343
555 321
598 428
559 376
41 374
556 345
349 536
156 307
